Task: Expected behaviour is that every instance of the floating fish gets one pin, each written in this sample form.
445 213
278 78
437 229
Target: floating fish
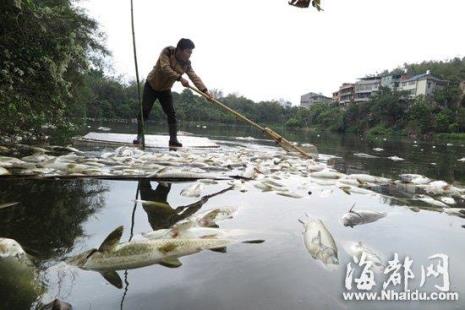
448 200
395 158
319 241
357 250
4 171
210 217
455 211
414 178
368 178
364 155
11 248
359 217
112 255
326 174
289 194
431 201
193 190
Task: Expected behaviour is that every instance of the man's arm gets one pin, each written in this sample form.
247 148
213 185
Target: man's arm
166 66
196 79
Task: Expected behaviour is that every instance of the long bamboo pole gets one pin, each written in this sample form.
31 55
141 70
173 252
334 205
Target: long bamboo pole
285 144
141 120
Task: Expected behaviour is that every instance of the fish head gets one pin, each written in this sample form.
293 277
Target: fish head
350 219
10 247
306 220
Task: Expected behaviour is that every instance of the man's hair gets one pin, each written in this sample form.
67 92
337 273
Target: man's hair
185 44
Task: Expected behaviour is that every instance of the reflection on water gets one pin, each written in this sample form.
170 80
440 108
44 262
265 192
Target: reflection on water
46 222
162 215
60 219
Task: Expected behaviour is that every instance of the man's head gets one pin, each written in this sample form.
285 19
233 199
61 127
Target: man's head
184 49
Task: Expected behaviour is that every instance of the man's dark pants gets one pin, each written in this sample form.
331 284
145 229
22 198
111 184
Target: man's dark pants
166 100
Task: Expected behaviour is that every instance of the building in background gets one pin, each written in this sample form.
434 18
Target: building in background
310 99
365 88
346 93
336 97
392 81
422 84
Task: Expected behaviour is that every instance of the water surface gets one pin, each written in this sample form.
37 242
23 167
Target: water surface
57 219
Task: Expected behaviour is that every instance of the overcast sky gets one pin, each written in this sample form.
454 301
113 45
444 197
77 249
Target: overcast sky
266 49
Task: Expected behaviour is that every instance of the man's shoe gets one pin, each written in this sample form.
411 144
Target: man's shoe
137 141
174 143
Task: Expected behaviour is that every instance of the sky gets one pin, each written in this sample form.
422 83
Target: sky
269 50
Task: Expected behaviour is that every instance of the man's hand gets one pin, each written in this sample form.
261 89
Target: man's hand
184 82
209 95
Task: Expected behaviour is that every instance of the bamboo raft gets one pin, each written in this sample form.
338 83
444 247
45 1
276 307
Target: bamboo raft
151 141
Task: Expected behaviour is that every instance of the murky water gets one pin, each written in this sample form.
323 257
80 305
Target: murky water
57 219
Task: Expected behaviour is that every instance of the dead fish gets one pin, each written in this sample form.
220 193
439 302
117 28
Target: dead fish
11 162
414 178
326 174
4 171
364 155
359 217
366 178
263 187
193 190
448 200
431 201
357 250
210 217
113 255
455 211
289 194
395 158
11 248
378 149
250 172
37 158
319 241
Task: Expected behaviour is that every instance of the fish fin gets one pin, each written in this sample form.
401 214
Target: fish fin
168 247
171 262
113 278
111 240
345 190
253 241
219 250
351 208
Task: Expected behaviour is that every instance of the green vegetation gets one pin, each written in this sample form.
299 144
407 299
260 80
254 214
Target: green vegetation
46 47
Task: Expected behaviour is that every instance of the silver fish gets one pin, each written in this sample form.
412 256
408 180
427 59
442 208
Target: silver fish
319 241
193 190
359 217
112 255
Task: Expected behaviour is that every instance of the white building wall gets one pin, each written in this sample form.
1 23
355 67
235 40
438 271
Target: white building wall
421 88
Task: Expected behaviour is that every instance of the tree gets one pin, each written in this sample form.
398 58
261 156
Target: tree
45 47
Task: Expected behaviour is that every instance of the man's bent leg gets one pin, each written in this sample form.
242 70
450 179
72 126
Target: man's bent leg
148 98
